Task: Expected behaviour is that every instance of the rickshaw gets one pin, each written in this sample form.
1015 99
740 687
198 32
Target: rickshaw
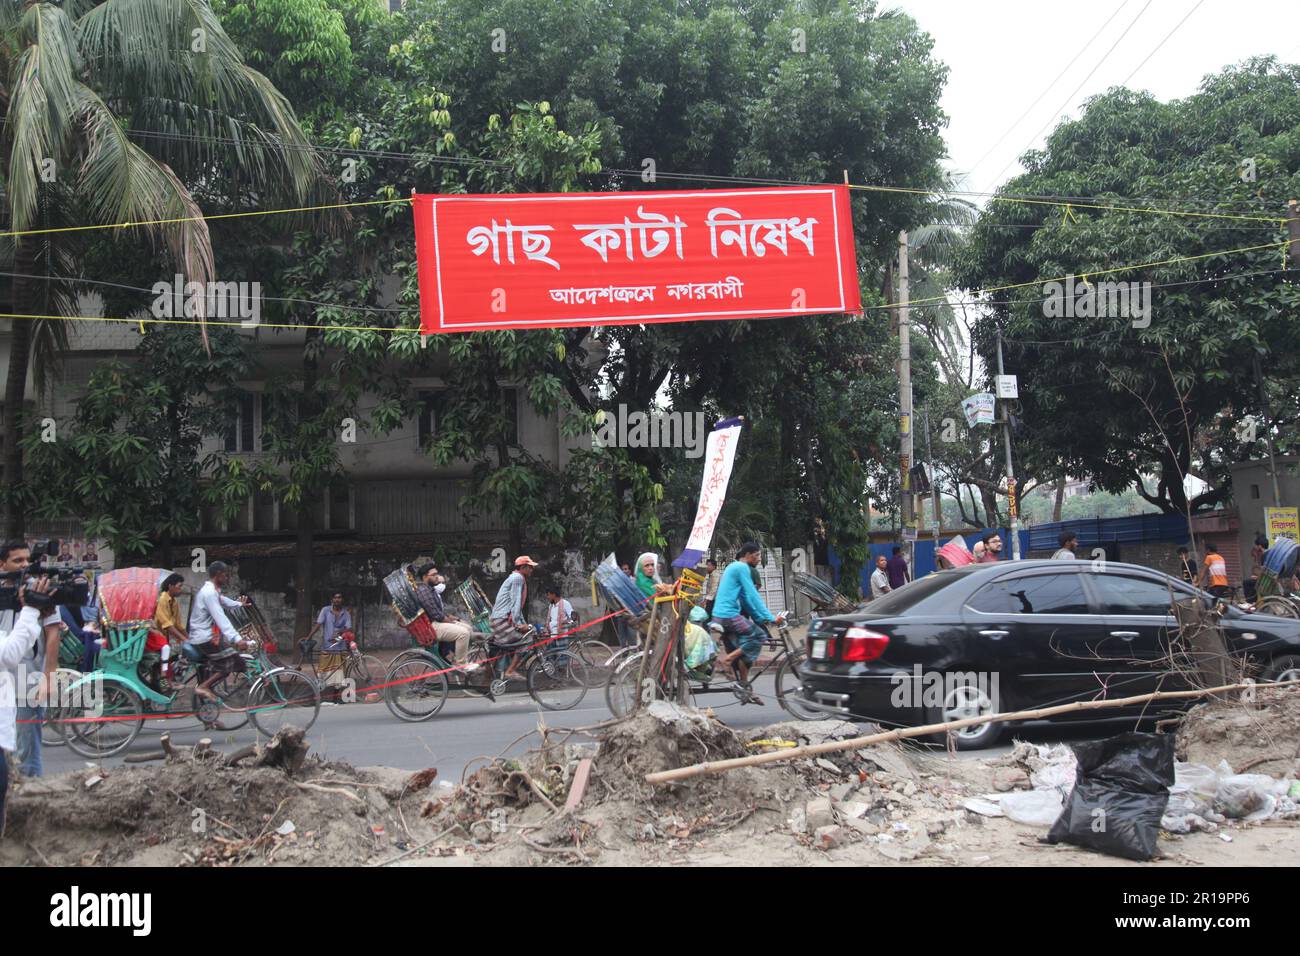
660 671
1278 568
420 679
106 708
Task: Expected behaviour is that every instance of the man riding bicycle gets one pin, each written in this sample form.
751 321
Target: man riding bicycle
737 607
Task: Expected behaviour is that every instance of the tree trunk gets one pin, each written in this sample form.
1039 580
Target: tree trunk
20 348
1060 499
302 574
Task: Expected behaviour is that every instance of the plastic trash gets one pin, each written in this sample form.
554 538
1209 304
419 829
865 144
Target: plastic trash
1039 808
1119 796
1246 796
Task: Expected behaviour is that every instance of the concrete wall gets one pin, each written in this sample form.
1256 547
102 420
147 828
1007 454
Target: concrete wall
1252 488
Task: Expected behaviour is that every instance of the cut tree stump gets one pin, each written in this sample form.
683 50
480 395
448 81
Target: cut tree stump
287 750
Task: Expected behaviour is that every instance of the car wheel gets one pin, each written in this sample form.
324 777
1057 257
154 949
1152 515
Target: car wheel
1283 668
962 700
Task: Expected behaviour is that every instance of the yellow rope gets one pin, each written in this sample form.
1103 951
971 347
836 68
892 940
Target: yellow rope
385 328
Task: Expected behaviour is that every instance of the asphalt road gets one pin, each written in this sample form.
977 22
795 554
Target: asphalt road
367 734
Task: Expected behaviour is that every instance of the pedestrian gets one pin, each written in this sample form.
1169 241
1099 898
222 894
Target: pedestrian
992 548
16 641
1188 565
711 580
507 617
1068 541
880 578
1214 575
37 667
332 621
560 614
897 569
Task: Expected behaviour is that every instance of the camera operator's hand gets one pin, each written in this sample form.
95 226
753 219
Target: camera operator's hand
37 594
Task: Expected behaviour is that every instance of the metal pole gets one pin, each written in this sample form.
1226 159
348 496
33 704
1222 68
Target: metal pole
1011 475
906 504
937 519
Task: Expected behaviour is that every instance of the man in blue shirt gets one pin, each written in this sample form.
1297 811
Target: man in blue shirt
736 607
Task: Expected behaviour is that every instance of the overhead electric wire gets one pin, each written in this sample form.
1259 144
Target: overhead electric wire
1047 89
1124 82
1070 99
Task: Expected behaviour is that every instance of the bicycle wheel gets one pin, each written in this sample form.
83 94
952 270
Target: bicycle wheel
58 701
622 694
789 689
365 672
283 698
232 690
558 679
95 738
415 691
596 653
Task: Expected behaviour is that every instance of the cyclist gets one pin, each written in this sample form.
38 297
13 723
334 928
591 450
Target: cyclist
737 608
507 618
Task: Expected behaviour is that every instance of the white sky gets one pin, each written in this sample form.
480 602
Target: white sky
1001 54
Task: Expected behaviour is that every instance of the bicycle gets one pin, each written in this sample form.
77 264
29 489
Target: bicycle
354 670
628 689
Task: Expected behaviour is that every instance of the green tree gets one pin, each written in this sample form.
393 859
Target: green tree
1114 399
80 78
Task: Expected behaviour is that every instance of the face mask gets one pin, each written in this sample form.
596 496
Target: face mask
440 587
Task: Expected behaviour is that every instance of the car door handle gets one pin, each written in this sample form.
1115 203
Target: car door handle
1126 635
995 634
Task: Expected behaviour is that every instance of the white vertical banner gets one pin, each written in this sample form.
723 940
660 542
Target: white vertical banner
719 456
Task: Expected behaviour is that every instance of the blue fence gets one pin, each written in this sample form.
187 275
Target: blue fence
1134 529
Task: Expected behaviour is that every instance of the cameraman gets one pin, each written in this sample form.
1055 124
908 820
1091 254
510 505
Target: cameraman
40 662
15 646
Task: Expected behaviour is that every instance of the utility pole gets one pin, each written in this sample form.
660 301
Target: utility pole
905 458
937 518
1012 504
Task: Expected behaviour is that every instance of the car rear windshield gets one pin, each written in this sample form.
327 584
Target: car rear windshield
910 597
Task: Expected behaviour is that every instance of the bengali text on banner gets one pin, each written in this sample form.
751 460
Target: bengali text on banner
576 259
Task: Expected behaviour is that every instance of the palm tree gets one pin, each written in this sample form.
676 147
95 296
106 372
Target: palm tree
111 109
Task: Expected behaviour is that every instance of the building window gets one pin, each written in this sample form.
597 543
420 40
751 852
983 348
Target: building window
240 433
395 6
429 403
1254 491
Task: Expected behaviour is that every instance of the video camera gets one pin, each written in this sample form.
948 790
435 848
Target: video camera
68 584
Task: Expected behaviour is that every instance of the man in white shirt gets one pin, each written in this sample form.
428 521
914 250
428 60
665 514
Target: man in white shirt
39 664
559 614
880 578
211 632
1068 541
15 648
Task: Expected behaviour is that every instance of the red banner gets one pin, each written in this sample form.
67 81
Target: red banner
573 259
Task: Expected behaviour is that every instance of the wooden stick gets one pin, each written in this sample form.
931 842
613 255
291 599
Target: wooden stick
319 789
719 766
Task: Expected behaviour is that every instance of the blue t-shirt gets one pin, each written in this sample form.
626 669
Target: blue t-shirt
737 595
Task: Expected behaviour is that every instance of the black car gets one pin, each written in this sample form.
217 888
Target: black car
1011 635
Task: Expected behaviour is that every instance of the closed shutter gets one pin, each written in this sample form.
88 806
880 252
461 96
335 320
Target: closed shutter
1230 548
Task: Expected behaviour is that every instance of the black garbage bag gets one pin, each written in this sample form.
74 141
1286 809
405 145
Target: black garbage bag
1120 793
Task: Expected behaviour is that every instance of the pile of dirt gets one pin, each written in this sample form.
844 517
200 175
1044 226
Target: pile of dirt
1263 736
198 809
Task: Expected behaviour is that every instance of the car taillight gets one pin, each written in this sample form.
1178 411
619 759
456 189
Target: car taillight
861 644
826 653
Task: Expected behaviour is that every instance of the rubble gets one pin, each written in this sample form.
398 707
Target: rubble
582 798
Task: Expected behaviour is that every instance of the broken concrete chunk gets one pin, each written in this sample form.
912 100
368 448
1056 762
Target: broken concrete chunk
818 813
828 838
